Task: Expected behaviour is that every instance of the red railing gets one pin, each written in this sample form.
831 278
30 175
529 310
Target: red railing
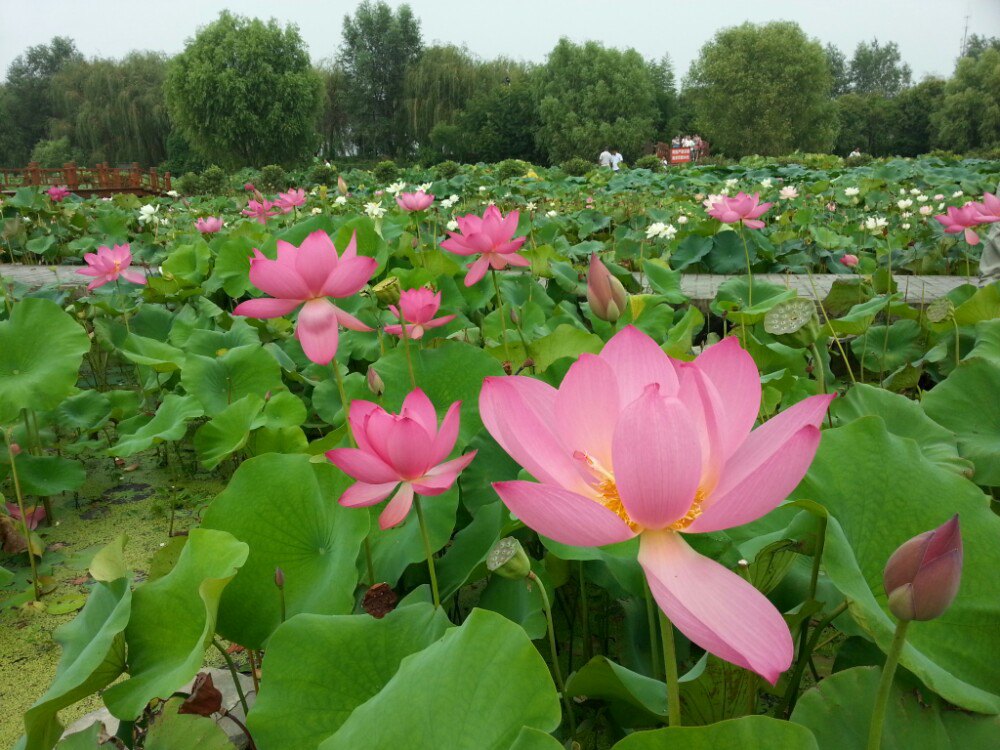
99 180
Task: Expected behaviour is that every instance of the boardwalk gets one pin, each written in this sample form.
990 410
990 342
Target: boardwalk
697 287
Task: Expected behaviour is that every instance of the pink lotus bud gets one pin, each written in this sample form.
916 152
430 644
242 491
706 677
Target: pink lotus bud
341 186
849 260
923 575
375 383
279 578
15 449
248 186
605 293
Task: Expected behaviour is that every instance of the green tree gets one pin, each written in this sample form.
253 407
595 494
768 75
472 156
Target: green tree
244 93
915 108
438 86
592 97
29 106
667 106
379 45
763 90
977 44
969 115
866 123
114 110
499 122
878 69
334 122
837 62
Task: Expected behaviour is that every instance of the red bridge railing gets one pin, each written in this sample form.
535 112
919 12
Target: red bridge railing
99 180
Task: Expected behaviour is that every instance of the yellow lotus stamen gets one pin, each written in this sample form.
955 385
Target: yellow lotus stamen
691 516
606 489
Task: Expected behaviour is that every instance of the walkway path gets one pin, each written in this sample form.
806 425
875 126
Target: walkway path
698 287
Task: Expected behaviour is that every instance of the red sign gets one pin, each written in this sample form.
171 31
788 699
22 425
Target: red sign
678 155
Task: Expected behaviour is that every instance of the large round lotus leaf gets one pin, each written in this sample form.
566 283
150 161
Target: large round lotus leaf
173 620
748 733
41 348
968 404
220 381
472 690
838 711
93 653
285 508
319 668
881 490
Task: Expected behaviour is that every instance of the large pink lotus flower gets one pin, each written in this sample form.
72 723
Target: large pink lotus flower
962 219
58 192
491 237
418 201
417 308
291 200
743 208
407 451
989 209
209 224
108 264
635 443
307 275
261 210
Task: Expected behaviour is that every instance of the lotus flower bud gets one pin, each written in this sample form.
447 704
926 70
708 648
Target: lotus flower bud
388 291
15 449
850 260
605 293
923 575
375 383
341 185
508 559
279 578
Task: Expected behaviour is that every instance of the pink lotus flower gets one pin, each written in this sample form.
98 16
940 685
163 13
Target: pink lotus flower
961 219
209 225
261 210
57 192
989 209
249 186
307 275
417 308
849 260
291 200
418 201
108 264
407 451
491 237
635 443
743 208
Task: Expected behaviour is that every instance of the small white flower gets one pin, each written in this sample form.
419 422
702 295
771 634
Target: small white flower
903 204
905 226
551 214
482 188
395 188
732 182
789 192
660 230
852 191
340 200
682 219
711 200
926 210
905 215
939 197
724 191
490 202
452 226
923 198
531 206
424 188
449 201
957 194
902 191
374 210
915 191
147 214
316 211
875 222
173 193
766 183
940 206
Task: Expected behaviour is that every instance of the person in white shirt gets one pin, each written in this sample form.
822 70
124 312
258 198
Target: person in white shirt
855 152
616 159
605 158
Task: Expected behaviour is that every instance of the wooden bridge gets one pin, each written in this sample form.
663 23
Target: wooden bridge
101 180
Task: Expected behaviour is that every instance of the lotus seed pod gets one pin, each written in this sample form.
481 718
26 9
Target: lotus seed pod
922 577
388 291
508 559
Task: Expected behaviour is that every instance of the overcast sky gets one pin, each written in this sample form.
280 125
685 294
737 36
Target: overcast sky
929 32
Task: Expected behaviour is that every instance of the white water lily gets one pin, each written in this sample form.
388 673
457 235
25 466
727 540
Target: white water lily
482 188
922 198
147 214
316 210
173 193
851 191
788 192
425 187
660 230
732 182
551 214
340 200
926 210
765 183
452 226
957 194
905 226
915 191
682 219
875 222
904 204
395 188
374 210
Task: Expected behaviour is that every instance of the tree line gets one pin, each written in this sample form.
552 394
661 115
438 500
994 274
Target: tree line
244 92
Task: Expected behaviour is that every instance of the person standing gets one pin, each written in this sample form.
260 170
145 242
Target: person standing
616 160
605 158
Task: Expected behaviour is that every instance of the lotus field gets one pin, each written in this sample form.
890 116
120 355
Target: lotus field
452 462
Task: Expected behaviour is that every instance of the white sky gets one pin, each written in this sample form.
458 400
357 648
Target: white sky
929 32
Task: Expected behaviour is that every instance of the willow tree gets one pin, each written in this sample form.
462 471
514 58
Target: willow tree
244 93
334 120
437 87
115 110
969 115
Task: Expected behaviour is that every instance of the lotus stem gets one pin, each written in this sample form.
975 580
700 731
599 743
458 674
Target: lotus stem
234 673
885 686
819 368
503 316
746 254
588 646
654 643
958 353
24 518
428 552
556 669
406 348
670 670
